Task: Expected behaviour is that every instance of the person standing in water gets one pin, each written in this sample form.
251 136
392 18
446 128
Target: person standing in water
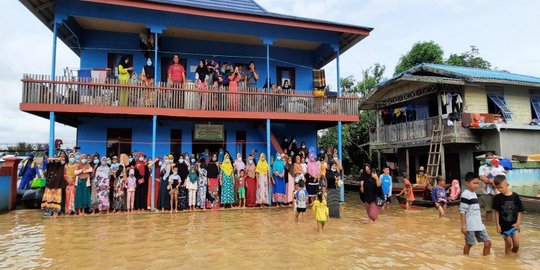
438 195
508 212
370 184
471 219
321 212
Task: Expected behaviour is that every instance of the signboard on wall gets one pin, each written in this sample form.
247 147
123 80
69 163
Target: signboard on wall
209 132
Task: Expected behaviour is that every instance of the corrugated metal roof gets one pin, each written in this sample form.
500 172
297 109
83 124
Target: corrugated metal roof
243 6
482 73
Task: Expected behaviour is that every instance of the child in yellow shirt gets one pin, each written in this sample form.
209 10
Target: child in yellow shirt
321 212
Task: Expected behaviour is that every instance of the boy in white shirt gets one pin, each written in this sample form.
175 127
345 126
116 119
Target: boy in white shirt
471 218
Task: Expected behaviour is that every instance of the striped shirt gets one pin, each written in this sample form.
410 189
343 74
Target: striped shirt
471 208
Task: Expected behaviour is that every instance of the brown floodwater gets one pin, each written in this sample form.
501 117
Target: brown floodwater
253 239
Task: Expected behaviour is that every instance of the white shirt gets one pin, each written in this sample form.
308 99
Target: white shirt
471 208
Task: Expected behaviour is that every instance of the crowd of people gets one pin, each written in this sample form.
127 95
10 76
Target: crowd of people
83 184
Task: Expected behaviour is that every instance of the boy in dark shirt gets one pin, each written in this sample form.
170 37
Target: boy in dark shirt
508 211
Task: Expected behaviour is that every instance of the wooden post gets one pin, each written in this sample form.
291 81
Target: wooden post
407 159
443 162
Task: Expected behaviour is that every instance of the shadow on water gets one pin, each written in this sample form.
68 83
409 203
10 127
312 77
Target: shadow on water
253 238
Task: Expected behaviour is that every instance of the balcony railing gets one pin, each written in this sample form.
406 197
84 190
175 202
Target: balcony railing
189 96
419 132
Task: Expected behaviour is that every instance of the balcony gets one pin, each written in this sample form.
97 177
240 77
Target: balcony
72 96
418 133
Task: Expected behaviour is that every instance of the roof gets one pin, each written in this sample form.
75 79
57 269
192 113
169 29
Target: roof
428 74
244 10
248 6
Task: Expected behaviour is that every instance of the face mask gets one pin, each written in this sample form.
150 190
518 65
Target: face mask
250 161
83 161
181 160
227 160
222 70
174 173
303 146
96 161
335 157
141 159
71 160
77 156
263 159
488 162
278 158
148 63
108 162
239 158
62 162
286 140
333 169
294 141
160 163
130 159
192 160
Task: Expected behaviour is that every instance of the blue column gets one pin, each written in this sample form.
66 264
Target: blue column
268 157
53 75
153 179
267 67
339 127
156 77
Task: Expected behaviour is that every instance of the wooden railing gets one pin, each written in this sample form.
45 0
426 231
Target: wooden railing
189 96
419 130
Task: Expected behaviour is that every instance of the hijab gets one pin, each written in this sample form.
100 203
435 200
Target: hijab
192 175
312 166
238 163
149 71
226 166
278 165
262 165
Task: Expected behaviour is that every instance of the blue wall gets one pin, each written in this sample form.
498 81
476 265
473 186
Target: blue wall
5 193
98 44
92 134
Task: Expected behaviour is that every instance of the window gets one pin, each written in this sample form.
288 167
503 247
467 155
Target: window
118 141
176 141
241 143
497 103
286 73
535 106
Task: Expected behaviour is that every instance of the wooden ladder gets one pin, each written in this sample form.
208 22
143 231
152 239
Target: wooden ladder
435 146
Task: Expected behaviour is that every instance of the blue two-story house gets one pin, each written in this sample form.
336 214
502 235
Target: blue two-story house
160 119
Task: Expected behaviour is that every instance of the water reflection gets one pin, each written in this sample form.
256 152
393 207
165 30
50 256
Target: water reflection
252 238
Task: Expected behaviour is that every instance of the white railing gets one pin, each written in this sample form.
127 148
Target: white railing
189 96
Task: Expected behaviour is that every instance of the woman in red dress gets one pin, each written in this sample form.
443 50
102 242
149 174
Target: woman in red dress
251 184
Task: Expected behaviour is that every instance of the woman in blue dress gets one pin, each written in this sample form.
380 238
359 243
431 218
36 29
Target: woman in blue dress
278 172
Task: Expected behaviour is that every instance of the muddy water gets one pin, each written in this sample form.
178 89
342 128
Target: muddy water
252 239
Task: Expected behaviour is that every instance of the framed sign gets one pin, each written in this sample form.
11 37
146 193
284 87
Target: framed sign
209 132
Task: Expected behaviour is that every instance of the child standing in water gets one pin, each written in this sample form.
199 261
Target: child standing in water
191 185
508 211
174 185
408 191
300 199
471 219
131 185
386 183
242 189
321 212
438 195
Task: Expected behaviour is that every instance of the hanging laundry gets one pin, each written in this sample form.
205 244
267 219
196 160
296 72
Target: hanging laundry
448 103
459 103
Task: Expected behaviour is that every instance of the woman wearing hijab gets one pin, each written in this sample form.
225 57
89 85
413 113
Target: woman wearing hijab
125 69
147 74
278 173
183 172
202 184
313 175
289 166
55 182
141 191
94 200
251 183
212 201
226 181
370 186
69 199
156 167
263 177
103 173
82 197
166 170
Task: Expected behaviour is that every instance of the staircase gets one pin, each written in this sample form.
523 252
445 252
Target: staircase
435 152
273 140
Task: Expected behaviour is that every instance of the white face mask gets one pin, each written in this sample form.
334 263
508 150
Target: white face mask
278 157
250 161
227 160
181 160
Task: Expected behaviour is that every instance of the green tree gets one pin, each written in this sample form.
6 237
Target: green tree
356 135
421 52
469 59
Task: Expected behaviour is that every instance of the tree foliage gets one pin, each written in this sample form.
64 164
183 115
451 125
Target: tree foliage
469 59
421 52
22 148
355 136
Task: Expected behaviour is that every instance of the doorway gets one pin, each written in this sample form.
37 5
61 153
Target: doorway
166 62
286 73
118 141
240 143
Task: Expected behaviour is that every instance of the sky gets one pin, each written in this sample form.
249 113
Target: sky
506 32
